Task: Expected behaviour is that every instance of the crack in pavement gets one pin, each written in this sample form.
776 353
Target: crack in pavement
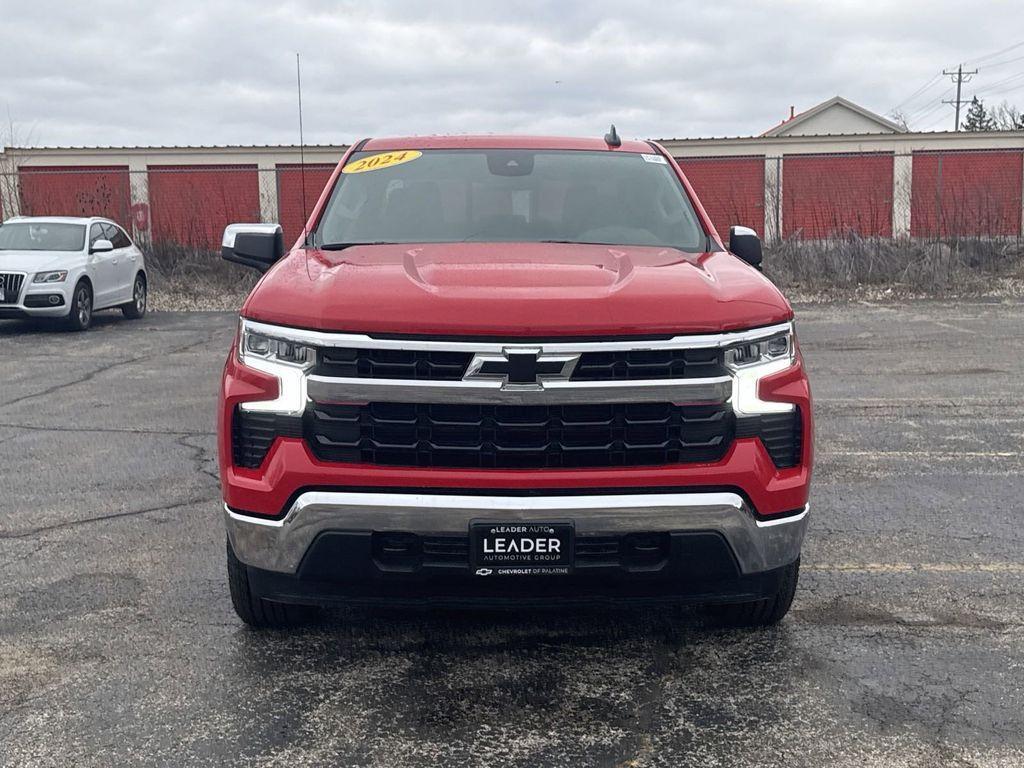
199 457
101 518
115 430
105 368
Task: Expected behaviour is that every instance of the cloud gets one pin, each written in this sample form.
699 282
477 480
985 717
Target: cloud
202 72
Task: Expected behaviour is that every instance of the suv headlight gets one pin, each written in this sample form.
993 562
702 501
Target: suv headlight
751 361
56 276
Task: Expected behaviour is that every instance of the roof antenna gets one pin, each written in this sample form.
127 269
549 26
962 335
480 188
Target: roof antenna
302 153
612 138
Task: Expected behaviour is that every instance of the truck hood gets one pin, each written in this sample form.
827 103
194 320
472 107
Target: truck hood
515 290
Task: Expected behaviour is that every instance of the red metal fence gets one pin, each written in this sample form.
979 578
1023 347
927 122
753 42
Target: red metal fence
932 194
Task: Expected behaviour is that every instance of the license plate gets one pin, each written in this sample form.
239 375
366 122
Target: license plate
521 549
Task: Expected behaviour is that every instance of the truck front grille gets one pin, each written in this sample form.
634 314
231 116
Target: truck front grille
10 287
524 437
417 365
252 434
635 364
424 365
634 551
781 433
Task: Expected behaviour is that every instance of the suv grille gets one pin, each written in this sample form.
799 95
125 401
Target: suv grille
11 284
526 437
421 365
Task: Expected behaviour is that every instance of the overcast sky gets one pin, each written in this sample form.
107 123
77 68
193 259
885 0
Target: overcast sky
209 72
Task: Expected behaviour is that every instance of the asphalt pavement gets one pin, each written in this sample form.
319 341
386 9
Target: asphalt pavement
118 644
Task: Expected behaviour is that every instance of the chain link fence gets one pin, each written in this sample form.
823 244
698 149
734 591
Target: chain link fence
837 219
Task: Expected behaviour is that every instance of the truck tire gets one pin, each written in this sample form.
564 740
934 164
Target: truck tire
256 611
761 613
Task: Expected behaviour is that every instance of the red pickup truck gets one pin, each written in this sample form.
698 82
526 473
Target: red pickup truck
512 370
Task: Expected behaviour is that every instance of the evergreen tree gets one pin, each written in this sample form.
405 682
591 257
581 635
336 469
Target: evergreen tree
977 118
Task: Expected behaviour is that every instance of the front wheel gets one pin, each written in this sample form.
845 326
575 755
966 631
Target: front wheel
136 308
256 611
761 613
80 315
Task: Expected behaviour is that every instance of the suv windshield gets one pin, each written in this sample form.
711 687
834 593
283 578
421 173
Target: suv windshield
509 195
41 236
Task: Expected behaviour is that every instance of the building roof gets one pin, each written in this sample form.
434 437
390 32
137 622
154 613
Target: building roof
836 103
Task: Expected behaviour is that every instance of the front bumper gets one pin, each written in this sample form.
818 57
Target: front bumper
42 300
756 545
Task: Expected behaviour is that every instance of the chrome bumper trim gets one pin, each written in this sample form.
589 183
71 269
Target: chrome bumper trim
279 545
362 341
323 389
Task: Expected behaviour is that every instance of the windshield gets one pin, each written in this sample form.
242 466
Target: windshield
41 236
509 195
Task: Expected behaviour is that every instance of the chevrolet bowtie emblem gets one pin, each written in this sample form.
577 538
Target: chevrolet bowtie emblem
521 368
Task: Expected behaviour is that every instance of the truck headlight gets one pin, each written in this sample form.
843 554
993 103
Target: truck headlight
56 276
267 347
751 361
760 351
279 356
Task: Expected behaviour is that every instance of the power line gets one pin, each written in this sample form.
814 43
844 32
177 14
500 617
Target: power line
977 61
998 83
1001 63
929 106
1009 85
918 92
933 123
961 77
930 112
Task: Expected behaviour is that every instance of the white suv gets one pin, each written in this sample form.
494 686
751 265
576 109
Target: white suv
68 268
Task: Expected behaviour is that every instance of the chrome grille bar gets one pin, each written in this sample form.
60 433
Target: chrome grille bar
11 282
322 389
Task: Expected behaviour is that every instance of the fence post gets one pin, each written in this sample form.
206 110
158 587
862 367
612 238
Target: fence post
266 180
773 199
902 185
138 186
10 185
1022 194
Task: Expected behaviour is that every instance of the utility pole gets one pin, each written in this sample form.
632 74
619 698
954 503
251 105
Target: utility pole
959 77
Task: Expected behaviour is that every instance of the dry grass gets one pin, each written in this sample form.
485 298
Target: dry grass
860 268
185 279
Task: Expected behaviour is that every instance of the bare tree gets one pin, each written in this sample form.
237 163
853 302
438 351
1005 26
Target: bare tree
1007 117
13 141
899 117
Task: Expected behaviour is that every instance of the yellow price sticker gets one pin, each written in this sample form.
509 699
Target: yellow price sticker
384 160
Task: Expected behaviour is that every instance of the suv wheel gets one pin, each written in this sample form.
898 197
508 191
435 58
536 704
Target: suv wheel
80 315
761 613
255 610
136 308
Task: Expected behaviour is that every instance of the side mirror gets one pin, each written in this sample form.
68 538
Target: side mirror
101 246
253 245
744 242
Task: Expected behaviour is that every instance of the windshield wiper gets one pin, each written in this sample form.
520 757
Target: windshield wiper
343 246
625 245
